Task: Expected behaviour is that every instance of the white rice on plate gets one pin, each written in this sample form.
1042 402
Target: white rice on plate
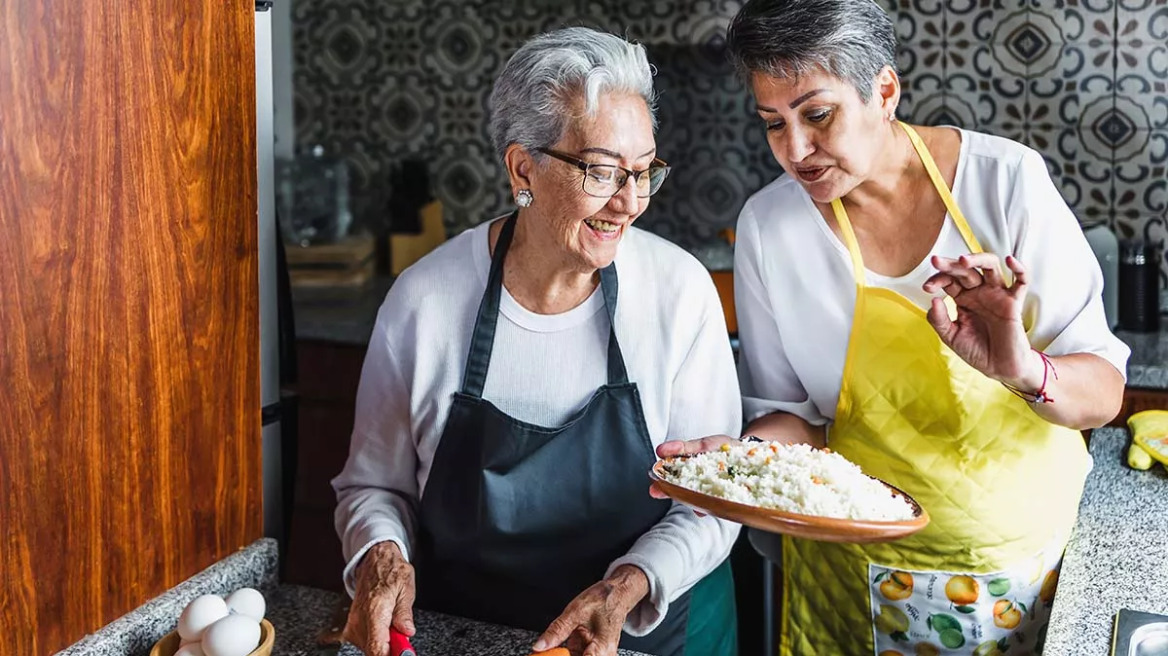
793 478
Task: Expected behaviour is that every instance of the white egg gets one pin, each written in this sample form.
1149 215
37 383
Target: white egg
191 649
234 635
199 614
247 601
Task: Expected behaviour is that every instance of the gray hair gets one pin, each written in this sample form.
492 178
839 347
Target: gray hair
850 39
533 98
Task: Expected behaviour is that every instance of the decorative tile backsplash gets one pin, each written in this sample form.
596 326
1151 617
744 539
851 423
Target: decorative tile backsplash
1082 81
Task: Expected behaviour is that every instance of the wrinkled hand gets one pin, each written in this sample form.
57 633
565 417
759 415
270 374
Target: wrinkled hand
988 332
688 448
384 597
591 624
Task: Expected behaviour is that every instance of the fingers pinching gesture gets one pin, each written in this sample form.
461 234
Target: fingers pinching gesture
988 331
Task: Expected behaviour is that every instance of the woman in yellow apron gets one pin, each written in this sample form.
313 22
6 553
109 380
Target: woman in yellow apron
923 301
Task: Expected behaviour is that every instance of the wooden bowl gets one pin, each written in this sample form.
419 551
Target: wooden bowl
169 642
811 527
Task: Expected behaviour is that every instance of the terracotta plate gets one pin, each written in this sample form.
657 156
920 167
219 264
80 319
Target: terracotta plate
811 527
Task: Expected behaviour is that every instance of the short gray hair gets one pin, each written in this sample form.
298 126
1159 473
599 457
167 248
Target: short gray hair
531 103
850 39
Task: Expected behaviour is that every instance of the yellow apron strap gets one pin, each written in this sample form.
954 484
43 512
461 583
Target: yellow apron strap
841 217
943 189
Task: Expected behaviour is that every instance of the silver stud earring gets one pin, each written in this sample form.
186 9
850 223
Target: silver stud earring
523 198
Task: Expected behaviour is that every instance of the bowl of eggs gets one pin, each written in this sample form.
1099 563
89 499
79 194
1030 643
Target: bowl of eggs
221 626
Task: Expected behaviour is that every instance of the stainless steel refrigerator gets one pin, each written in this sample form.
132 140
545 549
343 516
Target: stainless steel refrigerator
273 458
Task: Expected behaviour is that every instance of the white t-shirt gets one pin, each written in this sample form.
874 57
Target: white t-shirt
795 292
543 369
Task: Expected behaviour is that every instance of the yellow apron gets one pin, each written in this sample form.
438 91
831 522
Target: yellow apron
1001 484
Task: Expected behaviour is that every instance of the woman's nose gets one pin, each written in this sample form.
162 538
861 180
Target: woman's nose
799 146
625 199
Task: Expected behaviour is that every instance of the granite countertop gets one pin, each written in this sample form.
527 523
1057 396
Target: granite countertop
1118 554
135 633
299 613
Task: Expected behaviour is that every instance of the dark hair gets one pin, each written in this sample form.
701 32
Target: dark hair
851 39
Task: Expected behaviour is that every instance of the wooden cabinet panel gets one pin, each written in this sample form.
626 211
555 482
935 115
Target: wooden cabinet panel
129 350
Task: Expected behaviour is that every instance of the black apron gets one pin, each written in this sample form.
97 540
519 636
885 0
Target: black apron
518 519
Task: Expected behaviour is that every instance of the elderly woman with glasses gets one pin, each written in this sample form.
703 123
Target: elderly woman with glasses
922 300
512 395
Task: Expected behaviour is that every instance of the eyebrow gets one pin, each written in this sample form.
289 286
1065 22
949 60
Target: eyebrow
615 155
794 103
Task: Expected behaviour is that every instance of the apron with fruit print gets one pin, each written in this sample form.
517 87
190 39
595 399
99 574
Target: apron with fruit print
1001 485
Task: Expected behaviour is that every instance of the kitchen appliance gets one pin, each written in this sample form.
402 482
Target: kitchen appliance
1139 286
275 300
1139 634
1106 248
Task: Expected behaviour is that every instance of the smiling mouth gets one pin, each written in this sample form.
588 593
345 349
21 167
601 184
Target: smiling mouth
811 174
603 227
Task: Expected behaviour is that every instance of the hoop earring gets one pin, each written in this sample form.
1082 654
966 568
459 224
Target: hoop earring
524 198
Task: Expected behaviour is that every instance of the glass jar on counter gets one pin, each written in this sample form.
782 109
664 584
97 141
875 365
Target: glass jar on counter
313 197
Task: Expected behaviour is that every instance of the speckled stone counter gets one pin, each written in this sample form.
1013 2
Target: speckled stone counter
299 614
344 316
1148 366
1118 554
136 632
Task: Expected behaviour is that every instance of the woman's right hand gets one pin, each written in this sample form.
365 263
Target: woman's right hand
384 598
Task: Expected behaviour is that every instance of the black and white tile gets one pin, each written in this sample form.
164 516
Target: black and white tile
1084 82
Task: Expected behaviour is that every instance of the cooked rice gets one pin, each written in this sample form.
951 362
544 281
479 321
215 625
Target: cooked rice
792 478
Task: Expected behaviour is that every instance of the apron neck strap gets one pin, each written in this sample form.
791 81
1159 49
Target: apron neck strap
482 341
617 374
942 189
849 235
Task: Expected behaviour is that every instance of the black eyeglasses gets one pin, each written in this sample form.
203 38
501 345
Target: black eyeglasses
605 180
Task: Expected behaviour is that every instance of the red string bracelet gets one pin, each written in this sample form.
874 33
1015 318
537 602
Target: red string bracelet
1040 396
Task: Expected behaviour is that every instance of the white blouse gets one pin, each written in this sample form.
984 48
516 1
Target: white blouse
795 292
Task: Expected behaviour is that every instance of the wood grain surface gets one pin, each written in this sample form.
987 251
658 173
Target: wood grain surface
129 359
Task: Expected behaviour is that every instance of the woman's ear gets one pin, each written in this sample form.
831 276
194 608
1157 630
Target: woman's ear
520 165
887 90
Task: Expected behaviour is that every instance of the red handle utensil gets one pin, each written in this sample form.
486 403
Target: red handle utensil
399 644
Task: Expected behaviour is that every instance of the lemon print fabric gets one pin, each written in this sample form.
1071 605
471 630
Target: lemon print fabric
942 613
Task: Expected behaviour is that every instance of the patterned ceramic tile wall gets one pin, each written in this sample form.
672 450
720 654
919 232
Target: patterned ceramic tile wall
377 81
1082 81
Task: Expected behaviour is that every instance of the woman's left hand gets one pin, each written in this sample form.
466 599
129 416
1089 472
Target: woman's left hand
988 332
591 624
